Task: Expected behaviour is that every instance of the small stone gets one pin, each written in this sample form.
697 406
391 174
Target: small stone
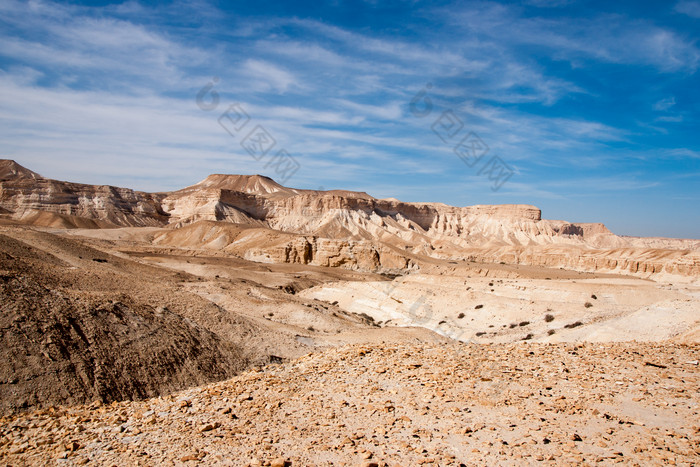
209 427
280 462
74 446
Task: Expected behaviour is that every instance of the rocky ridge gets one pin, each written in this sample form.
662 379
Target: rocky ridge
346 229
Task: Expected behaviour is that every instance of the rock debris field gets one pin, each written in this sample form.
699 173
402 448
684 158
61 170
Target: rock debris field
398 404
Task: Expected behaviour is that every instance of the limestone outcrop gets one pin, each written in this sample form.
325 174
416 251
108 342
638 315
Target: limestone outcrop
342 228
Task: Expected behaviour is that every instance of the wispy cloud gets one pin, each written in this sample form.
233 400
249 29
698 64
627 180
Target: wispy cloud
560 92
273 77
689 8
605 38
665 104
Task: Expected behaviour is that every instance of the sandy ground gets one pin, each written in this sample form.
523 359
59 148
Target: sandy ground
498 310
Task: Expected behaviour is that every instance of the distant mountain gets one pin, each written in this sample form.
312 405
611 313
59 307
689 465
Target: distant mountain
387 234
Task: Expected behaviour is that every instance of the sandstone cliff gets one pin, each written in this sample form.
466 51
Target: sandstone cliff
342 228
23 191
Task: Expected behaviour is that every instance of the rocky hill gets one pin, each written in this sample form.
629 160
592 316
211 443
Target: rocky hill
343 228
76 328
23 193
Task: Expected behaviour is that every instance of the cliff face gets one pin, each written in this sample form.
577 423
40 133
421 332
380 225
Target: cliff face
23 192
343 228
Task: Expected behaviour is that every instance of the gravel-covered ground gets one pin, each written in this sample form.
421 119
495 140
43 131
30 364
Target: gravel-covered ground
399 404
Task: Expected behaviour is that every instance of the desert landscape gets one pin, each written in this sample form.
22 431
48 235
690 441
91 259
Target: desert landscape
241 322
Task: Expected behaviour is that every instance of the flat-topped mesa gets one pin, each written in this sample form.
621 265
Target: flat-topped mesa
511 211
593 228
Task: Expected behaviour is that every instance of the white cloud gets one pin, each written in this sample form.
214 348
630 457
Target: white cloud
665 104
107 96
689 8
670 119
605 38
276 78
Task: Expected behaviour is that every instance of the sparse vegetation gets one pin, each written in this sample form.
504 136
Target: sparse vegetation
588 304
367 318
523 323
528 337
310 328
478 307
550 332
513 325
479 334
574 325
594 297
460 316
548 318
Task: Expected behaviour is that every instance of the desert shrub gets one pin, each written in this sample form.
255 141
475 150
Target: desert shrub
523 323
594 297
479 334
548 318
588 304
478 307
528 337
366 318
574 325
310 328
513 325
550 332
460 316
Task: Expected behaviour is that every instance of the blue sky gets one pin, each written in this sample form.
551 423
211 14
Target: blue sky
593 106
